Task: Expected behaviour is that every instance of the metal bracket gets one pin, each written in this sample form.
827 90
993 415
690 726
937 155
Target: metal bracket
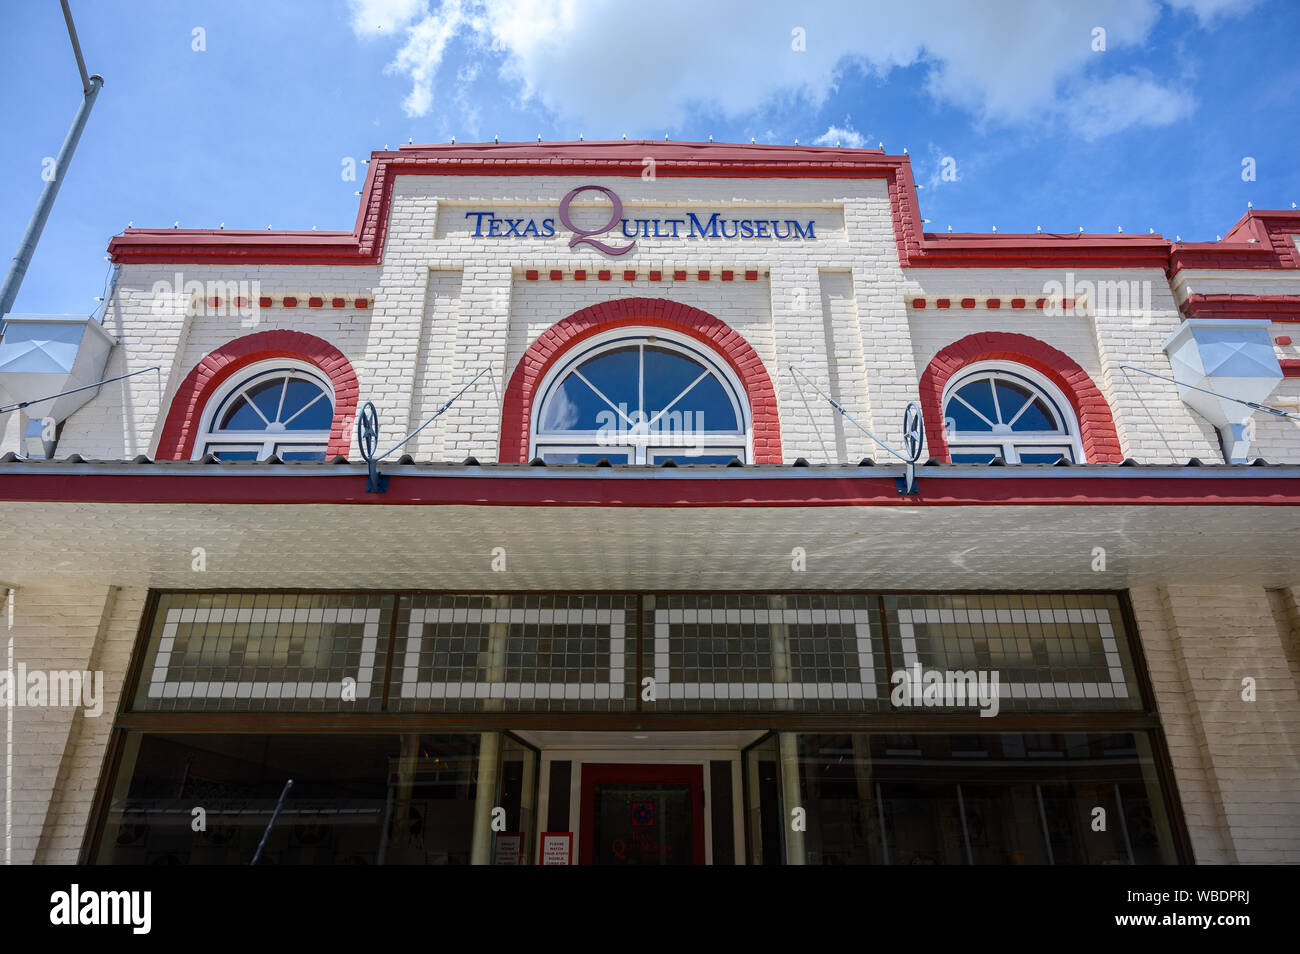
368 442
913 442
368 437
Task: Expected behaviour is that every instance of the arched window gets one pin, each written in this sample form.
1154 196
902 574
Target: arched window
641 397
282 407
1012 412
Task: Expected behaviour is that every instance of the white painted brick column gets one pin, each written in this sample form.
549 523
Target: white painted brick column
434 383
808 423
889 366
1248 782
51 754
473 425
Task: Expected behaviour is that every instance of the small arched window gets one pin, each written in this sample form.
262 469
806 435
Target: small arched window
641 397
1010 412
282 408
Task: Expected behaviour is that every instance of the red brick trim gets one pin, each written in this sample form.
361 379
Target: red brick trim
1096 425
648 312
184 418
1272 307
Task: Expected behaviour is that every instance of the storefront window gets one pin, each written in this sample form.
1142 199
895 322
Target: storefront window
992 798
208 799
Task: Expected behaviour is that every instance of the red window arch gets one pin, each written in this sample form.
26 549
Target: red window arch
183 419
1096 425
640 312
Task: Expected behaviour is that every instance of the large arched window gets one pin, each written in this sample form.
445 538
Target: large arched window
1009 411
641 396
281 407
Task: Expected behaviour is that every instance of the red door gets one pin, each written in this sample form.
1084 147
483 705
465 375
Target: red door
642 815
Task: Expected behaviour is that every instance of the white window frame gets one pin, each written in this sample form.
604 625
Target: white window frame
1009 441
739 443
211 440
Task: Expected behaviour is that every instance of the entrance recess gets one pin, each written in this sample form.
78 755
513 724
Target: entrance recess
642 815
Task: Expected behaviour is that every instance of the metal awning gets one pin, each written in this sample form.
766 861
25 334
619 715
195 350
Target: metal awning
270 525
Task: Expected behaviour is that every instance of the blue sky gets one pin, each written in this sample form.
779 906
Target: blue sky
253 130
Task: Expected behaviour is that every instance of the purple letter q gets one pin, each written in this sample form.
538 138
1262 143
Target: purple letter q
583 236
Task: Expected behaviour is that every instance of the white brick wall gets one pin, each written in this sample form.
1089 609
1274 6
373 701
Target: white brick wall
1235 759
56 752
446 304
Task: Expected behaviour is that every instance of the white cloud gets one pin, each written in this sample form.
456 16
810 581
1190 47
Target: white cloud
1208 10
607 65
1119 102
845 136
374 18
426 43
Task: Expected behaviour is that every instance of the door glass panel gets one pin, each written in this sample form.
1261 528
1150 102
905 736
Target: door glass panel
764 831
517 794
642 824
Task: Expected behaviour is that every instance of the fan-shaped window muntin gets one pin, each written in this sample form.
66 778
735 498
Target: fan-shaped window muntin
284 409
1008 412
641 396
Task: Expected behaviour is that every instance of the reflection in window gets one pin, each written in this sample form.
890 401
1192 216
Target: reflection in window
992 799
356 799
285 411
640 399
1012 414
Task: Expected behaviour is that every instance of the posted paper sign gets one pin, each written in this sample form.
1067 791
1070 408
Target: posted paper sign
557 848
510 848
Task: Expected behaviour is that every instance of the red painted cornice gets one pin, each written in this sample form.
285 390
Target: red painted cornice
1262 238
744 491
917 249
1272 307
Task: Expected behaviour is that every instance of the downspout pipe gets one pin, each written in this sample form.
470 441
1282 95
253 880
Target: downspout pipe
27 246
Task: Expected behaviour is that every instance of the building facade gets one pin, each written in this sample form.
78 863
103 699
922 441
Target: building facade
648 590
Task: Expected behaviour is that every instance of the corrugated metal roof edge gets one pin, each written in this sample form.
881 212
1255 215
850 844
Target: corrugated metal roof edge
76 464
